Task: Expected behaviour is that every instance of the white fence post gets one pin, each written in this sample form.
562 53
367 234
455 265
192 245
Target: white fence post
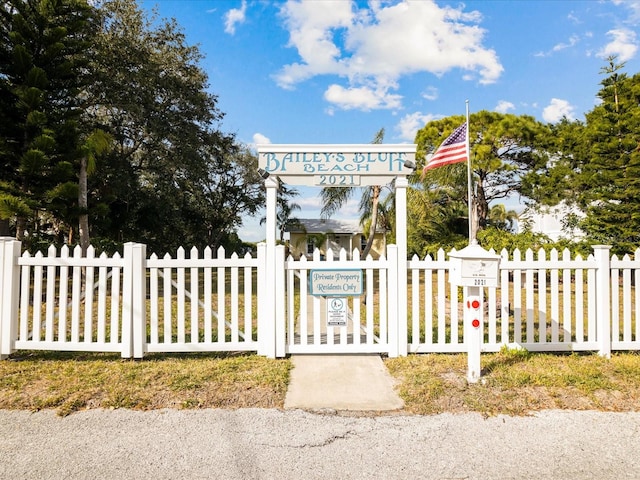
603 299
139 277
280 298
134 293
127 301
9 293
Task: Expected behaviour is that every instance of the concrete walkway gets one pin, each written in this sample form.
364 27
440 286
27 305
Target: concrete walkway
356 382
341 382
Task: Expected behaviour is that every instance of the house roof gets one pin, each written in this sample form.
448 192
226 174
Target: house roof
316 225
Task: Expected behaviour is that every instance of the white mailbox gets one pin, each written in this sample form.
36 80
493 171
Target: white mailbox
473 266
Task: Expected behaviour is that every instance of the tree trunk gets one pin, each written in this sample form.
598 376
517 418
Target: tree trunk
375 198
21 227
5 231
83 221
482 209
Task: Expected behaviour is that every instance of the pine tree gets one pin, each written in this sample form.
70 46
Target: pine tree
42 72
610 178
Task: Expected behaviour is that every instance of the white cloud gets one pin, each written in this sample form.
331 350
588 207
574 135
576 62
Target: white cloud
623 44
235 16
572 17
361 98
504 106
311 202
557 109
260 138
572 42
634 10
411 123
430 93
373 47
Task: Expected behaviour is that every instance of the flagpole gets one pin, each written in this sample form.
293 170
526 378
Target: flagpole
469 186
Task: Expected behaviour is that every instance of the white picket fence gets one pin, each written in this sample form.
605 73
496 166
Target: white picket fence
552 303
134 304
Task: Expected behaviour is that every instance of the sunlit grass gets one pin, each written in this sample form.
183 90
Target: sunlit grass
70 382
518 382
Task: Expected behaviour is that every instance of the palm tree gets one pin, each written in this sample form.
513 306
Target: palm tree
334 198
501 218
97 143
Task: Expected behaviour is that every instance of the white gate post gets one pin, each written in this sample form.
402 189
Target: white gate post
401 241
280 302
394 321
603 298
268 332
9 293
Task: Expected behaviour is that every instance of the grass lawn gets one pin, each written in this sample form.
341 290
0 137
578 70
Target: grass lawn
513 383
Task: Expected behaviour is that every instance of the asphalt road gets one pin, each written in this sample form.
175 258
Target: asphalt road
293 444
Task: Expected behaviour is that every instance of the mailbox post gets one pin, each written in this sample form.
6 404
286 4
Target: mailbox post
473 268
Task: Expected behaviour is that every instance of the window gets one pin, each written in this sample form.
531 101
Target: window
311 245
363 243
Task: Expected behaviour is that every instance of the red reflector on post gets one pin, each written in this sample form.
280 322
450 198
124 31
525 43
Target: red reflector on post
475 303
475 323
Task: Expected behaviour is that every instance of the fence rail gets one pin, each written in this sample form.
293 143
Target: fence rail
133 304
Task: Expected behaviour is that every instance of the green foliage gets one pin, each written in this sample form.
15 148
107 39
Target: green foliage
438 219
611 175
504 147
498 240
99 95
596 164
493 238
43 67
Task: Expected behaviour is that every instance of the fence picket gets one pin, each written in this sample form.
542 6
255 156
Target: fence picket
116 317
63 293
235 300
566 298
616 327
194 296
626 301
102 301
50 296
591 305
25 286
181 279
504 300
167 295
517 300
579 305
154 317
208 293
76 292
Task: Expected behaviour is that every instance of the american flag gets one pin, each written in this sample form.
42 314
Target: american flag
452 150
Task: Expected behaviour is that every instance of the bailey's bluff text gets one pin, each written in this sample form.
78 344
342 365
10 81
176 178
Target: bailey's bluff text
333 162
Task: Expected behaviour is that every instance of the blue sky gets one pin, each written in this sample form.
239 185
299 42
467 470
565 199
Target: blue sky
336 71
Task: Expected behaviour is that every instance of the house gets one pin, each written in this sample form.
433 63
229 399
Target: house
306 234
555 222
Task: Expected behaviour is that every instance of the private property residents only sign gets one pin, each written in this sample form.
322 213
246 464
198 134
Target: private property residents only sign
335 283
